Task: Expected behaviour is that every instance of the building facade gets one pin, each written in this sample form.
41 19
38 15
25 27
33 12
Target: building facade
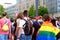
22 5
26 4
53 6
58 6
11 10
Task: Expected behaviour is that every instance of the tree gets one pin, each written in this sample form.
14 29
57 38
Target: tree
1 9
42 10
8 16
31 12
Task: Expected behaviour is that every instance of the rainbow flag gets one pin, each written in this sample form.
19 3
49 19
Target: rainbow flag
47 32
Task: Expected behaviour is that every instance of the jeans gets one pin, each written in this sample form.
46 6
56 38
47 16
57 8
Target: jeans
25 37
3 37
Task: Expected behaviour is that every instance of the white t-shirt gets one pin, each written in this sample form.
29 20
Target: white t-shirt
57 24
26 18
20 23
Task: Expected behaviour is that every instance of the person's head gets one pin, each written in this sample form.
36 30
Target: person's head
40 17
46 17
25 12
12 19
20 15
4 14
53 21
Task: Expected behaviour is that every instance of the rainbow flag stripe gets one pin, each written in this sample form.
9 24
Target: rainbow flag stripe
47 32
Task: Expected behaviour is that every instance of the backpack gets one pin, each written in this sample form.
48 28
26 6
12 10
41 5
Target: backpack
27 27
5 26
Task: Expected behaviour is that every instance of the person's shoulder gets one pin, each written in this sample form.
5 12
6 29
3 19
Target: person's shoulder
1 19
57 22
8 20
26 18
18 20
23 21
4 18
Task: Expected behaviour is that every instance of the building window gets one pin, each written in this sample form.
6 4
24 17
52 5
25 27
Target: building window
27 5
44 2
23 7
19 8
27 0
58 5
58 10
58 1
39 2
23 0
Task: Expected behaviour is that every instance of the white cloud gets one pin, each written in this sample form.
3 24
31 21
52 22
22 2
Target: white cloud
7 1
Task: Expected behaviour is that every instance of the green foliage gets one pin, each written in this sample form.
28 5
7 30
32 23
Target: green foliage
1 9
31 12
42 10
7 16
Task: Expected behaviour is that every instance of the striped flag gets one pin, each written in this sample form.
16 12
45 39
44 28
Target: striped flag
47 32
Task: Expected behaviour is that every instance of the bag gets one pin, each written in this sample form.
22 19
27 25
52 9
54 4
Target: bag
5 26
27 28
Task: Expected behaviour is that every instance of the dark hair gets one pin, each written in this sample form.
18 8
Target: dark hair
0 17
53 21
46 17
4 14
25 12
12 19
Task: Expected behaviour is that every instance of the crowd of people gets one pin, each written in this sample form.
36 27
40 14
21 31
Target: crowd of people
23 27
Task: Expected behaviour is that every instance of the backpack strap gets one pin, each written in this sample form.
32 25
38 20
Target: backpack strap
25 20
6 22
25 23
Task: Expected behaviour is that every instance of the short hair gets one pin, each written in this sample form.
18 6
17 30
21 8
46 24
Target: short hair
46 17
12 19
4 14
53 21
25 12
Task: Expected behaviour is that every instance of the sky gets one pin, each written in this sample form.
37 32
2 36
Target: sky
2 2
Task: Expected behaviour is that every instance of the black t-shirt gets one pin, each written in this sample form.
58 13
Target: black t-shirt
36 25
